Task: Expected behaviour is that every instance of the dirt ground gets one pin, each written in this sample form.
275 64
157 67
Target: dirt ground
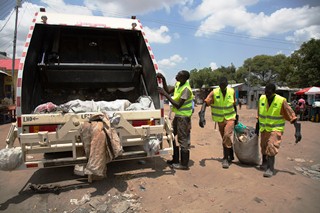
151 186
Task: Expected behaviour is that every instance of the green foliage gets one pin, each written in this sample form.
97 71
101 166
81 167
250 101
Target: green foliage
207 77
263 69
305 65
301 69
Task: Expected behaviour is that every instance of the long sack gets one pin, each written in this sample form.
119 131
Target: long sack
246 146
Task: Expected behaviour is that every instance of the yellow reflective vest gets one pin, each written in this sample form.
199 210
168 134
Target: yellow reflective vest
186 108
223 108
271 119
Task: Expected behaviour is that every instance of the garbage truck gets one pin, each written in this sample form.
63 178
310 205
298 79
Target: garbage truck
89 59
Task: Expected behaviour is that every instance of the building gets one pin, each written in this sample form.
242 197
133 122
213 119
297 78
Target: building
254 94
200 94
6 76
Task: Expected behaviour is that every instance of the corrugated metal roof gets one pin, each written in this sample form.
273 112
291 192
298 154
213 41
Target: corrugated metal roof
3 72
6 64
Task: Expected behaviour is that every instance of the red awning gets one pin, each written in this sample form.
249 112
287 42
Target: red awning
308 91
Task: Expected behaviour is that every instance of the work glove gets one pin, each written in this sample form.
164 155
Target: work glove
237 120
202 120
297 134
257 128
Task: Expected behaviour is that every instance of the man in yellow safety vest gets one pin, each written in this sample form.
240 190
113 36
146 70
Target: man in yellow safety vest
182 107
224 111
273 111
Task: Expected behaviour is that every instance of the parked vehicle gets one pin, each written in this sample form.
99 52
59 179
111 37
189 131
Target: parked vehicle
70 57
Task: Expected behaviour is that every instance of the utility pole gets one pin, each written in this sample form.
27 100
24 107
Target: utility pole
18 4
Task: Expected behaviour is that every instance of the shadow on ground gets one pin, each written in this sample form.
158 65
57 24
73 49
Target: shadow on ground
62 179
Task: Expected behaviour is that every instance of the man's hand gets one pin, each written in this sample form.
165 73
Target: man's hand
257 130
202 120
297 134
159 75
161 91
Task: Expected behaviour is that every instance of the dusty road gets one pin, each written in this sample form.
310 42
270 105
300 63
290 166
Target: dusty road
151 186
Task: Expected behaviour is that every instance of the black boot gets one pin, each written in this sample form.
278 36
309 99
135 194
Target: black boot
226 154
264 165
270 168
184 164
175 156
231 155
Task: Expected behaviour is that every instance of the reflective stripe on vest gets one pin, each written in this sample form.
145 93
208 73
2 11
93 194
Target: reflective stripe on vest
223 108
186 108
271 119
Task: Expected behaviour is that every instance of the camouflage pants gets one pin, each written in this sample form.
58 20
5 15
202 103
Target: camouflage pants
182 128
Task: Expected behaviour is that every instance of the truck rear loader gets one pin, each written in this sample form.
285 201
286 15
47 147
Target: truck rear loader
87 58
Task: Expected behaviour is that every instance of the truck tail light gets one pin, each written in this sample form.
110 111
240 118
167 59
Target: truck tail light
150 122
32 165
40 128
162 112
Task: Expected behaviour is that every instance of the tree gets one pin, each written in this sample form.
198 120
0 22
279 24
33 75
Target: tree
228 72
305 64
263 69
206 77
242 74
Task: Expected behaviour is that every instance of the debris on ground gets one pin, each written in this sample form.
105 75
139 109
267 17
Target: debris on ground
118 203
313 172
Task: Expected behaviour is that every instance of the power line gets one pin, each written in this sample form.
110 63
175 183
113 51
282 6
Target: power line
23 14
191 27
6 6
6 21
186 26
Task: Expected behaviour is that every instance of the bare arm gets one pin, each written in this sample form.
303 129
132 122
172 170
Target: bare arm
169 90
235 104
176 104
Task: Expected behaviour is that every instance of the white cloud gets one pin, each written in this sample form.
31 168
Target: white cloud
128 7
213 66
157 35
171 62
26 14
305 34
219 14
123 8
279 52
24 22
59 6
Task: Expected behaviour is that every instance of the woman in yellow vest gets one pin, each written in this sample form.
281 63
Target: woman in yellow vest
273 111
224 111
182 107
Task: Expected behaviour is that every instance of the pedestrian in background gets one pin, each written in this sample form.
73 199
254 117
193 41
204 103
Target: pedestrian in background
224 111
239 103
182 108
273 110
302 107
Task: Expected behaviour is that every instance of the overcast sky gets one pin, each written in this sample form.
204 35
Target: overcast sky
188 34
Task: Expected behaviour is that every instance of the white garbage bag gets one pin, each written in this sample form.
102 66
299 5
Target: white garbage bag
10 158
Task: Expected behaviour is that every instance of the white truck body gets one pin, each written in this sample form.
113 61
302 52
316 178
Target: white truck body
68 57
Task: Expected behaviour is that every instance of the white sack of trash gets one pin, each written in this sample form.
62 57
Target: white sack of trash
78 106
10 158
246 145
